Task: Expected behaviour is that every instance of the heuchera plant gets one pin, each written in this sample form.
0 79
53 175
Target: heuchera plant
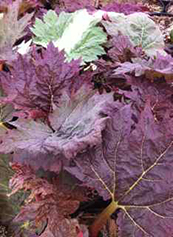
86 113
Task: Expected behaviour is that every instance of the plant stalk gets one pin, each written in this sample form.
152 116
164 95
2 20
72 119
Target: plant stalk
102 219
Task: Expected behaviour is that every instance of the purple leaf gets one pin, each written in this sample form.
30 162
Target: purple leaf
133 167
126 8
66 5
122 49
159 93
37 82
49 203
74 126
154 68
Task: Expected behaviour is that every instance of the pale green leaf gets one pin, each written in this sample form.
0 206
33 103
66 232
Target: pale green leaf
77 33
89 47
141 30
51 28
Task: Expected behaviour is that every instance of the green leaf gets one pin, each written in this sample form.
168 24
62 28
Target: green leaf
77 33
51 28
141 30
89 47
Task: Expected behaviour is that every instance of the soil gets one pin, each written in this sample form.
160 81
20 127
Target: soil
165 22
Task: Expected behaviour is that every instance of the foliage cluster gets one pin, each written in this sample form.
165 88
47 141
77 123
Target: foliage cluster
86 107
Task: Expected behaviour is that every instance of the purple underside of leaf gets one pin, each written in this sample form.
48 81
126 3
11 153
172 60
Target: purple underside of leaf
78 124
133 166
37 82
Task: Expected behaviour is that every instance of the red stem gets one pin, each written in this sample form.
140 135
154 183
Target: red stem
102 219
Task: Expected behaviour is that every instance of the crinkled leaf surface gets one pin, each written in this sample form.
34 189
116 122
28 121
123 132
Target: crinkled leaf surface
80 27
37 82
120 49
133 166
11 29
77 124
140 29
137 66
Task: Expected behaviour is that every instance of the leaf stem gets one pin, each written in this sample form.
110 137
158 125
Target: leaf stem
3 126
102 218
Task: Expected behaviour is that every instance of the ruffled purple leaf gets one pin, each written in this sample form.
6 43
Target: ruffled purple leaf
120 50
37 82
73 126
154 69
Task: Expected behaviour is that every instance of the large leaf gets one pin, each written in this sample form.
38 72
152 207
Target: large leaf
74 126
80 27
140 29
133 167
